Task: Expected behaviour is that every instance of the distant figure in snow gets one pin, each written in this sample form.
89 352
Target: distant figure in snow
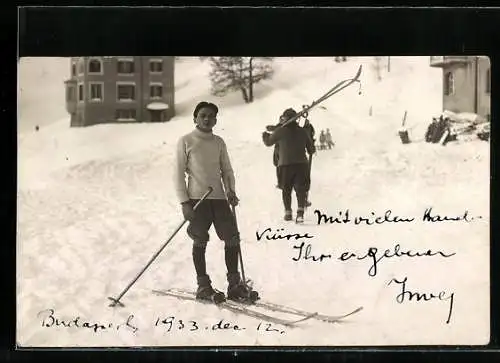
203 156
445 127
436 129
322 140
431 129
439 130
37 128
328 139
293 163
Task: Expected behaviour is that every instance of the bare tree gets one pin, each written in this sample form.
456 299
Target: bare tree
239 73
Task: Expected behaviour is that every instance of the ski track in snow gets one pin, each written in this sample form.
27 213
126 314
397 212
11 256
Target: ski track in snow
95 204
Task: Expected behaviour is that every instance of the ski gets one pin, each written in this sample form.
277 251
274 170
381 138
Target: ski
336 89
289 310
234 307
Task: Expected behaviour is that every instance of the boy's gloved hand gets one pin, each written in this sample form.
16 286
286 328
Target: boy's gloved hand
232 198
265 136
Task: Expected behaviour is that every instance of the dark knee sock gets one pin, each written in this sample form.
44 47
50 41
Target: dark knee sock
287 198
199 260
232 255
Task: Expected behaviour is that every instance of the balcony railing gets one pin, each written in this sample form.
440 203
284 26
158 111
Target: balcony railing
437 61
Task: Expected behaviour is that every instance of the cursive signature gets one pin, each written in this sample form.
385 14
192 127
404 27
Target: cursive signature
406 294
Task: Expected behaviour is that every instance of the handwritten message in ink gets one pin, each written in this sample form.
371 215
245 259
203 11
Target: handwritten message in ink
49 318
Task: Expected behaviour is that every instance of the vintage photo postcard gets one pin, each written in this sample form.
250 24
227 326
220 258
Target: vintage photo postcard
246 201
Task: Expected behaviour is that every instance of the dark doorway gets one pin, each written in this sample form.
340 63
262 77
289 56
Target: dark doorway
157 115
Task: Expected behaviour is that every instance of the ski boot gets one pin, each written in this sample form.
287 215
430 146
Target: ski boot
300 216
205 291
238 291
288 215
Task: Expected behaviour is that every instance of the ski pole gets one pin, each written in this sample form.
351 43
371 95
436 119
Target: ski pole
116 301
239 252
252 295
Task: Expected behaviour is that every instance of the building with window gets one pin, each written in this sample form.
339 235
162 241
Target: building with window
466 83
120 89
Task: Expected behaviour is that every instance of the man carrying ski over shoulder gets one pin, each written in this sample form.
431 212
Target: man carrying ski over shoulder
293 143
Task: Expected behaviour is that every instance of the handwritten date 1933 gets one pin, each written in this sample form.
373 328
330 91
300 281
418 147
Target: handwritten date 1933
172 323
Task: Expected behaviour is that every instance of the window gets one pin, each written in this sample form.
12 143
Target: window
488 81
156 91
126 92
95 66
80 92
81 67
96 91
125 66
125 114
449 84
73 69
156 66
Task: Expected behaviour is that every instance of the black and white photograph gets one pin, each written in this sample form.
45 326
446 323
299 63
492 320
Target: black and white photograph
195 201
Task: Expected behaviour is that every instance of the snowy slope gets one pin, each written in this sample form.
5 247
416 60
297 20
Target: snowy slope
95 204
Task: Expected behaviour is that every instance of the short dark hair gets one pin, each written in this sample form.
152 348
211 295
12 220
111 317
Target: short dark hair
202 104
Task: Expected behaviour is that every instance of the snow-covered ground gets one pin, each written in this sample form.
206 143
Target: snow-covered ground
94 204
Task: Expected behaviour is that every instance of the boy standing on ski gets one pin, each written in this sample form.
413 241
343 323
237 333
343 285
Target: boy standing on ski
203 157
293 142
